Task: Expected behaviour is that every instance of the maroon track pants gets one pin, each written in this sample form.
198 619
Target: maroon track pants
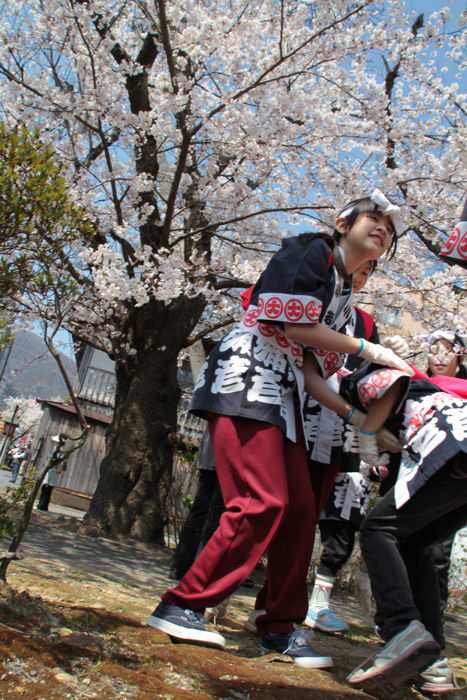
270 507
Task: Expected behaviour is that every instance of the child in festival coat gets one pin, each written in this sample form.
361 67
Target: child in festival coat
252 391
348 501
427 503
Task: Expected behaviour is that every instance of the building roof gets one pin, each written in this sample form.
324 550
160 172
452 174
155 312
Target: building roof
69 408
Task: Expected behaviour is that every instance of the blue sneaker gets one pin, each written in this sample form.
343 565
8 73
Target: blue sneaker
296 645
406 654
325 620
184 625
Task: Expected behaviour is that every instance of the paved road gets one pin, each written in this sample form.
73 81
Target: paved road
53 508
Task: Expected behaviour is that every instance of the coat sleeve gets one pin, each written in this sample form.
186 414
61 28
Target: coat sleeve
296 283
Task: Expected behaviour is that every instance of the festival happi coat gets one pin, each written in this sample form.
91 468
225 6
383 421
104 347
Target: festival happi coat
432 421
255 371
455 247
326 433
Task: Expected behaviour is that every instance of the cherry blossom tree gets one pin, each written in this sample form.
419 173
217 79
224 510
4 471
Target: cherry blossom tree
28 414
195 135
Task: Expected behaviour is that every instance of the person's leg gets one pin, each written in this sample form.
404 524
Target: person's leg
216 508
44 497
14 471
289 553
424 587
440 554
250 464
434 564
323 477
433 511
251 470
190 535
337 539
269 505
437 509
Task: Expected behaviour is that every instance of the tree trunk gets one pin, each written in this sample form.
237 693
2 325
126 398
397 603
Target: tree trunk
136 471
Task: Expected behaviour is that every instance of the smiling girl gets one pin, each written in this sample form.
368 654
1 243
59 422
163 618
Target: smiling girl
251 391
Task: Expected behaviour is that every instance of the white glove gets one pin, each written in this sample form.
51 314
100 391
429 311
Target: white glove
397 344
388 441
356 417
369 452
383 356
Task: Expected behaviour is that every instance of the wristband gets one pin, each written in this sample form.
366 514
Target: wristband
361 347
349 414
366 432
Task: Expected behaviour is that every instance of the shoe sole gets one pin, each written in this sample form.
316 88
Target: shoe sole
439 688
321 662
186 634
317 626
401 670
303 661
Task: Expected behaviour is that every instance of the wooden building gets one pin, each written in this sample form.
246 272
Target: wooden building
80 478
96 392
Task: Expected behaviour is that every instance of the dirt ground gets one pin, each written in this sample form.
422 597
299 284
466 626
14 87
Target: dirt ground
71 629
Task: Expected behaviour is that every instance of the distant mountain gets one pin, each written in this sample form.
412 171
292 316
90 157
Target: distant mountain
32 371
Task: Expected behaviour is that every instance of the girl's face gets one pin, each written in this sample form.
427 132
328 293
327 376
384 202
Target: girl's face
442 359
361 275
369 237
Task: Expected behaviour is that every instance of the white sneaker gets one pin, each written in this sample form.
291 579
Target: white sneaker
438 678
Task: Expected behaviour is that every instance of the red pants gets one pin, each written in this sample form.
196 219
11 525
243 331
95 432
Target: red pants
323 477
270 507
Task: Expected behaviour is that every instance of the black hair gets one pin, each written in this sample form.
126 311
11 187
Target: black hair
364 206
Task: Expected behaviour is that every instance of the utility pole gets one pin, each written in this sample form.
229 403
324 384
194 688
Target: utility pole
9 434
4 357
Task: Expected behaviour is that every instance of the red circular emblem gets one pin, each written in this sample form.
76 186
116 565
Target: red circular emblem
294 310
296 351
266 329
381 379
251 317
462 247
282 340
367 393
331 361
313 310
451 243
273 308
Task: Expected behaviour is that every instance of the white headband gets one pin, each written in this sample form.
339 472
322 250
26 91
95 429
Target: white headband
454 338
385 207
